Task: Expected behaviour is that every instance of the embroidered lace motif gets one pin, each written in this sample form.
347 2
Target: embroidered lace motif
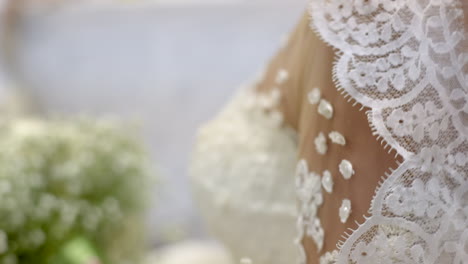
309 193
407 60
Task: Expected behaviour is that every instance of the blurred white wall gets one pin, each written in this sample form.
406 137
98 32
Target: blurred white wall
172 67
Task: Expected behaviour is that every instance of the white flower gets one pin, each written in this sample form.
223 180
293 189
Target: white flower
404 201
382 84
363 74
395 59
329 257
302 170
399 122
418 117
309 191
42 165
458 223
385 247
321 144
382 64
315 231
340 9
433 159
398 80
414 71
367 34
315 185
392 5
365 7
419 120
364 253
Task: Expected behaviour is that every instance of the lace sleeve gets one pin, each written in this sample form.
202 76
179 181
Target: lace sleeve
407 60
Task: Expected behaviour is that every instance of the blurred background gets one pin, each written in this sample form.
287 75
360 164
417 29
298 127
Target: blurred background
167 65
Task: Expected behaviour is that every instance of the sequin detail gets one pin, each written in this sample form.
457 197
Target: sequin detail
345 210
337 138
327 181
325 109
314 96
321 144
346 169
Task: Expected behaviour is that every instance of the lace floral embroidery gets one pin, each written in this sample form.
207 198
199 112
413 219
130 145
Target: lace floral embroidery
329 257
407 61
309 193
321 144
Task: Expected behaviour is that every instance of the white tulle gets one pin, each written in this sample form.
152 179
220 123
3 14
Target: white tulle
407 61
243 177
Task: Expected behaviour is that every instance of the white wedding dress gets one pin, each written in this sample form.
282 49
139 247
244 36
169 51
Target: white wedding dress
405 60
243 177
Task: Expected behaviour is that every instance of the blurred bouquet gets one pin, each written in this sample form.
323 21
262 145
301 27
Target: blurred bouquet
71 192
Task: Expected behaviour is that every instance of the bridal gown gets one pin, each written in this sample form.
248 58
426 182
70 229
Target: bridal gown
352 146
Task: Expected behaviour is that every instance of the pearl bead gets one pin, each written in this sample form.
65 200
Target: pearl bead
337 138
327 181
314 96
346 169
325 109
282 76
321 144
345 210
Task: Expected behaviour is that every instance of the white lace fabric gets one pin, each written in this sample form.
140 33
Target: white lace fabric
407 61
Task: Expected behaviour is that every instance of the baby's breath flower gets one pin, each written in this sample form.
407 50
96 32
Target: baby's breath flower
62 179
